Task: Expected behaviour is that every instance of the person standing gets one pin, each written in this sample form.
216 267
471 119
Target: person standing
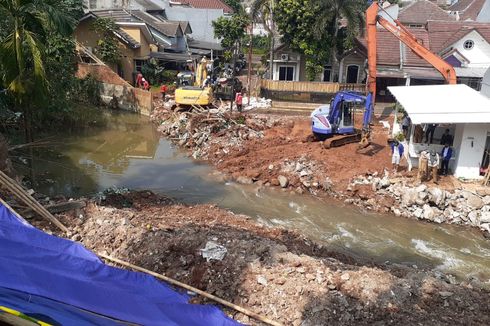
434 165
238 101
446 154
163 91
423 167
139 78
146 85
396 154
429 133
446 138
405 125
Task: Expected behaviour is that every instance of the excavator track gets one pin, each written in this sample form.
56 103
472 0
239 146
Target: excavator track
340 140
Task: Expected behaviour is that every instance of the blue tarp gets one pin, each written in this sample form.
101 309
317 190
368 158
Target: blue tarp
33 262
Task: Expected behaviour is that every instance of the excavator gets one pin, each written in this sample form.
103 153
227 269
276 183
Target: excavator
334 123
198 93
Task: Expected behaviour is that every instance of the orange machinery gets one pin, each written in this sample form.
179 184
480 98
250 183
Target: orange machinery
404 35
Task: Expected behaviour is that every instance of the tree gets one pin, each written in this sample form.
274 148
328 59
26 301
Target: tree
22 50
108 44
296 20
330 14
263 11
235 5
230 30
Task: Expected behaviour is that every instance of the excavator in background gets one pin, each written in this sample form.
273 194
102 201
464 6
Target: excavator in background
334 123
406 37
192 89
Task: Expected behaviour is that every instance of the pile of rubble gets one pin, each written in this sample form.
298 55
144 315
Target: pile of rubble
271 271
432 203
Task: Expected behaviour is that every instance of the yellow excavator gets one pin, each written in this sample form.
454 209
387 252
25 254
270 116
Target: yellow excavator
194 89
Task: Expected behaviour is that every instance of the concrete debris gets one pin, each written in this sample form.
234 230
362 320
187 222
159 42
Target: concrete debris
213 251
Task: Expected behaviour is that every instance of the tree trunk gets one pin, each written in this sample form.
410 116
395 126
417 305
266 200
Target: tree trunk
271 54
335 62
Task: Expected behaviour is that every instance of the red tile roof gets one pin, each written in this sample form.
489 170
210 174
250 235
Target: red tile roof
468 9
419 12
206 4
437 36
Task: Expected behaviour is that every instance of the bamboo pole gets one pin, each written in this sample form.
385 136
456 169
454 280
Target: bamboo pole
18 191
193 289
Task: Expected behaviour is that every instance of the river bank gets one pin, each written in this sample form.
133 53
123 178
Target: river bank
272 271
274 151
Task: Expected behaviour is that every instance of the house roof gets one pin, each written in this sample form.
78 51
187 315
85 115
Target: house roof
443 103
444 34
167 28
468 9
149 5
205 4
419 12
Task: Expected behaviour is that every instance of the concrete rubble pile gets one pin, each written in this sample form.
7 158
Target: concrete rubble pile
199 129
432 203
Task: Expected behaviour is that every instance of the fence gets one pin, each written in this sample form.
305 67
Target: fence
309 87
316 92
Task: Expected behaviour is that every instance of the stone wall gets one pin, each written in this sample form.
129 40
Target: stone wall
432 203
114 89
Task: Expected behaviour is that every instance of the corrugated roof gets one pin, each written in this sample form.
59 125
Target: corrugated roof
419 12
117 15
206 4
443 103
149 5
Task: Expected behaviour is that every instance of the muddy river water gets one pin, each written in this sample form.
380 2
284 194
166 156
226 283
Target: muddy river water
130 153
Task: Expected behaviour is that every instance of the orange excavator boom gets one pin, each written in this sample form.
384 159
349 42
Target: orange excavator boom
407 38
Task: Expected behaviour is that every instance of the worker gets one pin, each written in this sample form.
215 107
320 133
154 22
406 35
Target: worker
434 165
429 133
423 161
446 154
163 91
139 77
206 82
405 125
446 138
418 134
238 101
396 154
146 85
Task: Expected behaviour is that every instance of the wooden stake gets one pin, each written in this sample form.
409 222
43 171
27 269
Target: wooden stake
18 191
193 289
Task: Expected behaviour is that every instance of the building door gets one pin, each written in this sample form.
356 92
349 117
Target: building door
286 73
327 74
352 74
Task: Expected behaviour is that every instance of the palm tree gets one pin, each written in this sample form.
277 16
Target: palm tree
331 12
22 58
263 11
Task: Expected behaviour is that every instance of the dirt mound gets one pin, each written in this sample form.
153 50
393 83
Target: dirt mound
272 271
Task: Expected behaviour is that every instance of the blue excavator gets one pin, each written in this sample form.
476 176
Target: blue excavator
334 124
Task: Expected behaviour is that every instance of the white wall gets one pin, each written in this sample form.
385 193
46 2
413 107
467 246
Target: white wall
485 84
479 55
294 64
470 145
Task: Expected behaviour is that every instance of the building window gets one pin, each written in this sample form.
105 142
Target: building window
138 64
352 74
327 74
468 44
286 73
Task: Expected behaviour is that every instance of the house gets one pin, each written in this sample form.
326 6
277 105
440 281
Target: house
468 10
485 84
458 108
135 42
288 65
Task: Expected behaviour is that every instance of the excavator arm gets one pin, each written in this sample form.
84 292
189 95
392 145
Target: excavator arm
407 38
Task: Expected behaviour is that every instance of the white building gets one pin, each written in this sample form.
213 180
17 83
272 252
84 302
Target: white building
459 108
485 84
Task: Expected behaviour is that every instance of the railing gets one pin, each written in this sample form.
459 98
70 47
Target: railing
309 87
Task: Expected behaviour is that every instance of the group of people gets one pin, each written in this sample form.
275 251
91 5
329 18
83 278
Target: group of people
430 162
141 82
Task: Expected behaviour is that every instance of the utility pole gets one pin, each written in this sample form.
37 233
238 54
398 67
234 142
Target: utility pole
235 51
249 77
271 54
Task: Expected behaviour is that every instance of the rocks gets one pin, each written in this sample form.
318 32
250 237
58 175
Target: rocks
261 280
244 180
436 196
473 200
409 197
283 181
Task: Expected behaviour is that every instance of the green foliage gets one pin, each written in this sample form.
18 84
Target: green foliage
153 71
295 20
230 30
169 76
108 44
234 4
313 70
88 91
